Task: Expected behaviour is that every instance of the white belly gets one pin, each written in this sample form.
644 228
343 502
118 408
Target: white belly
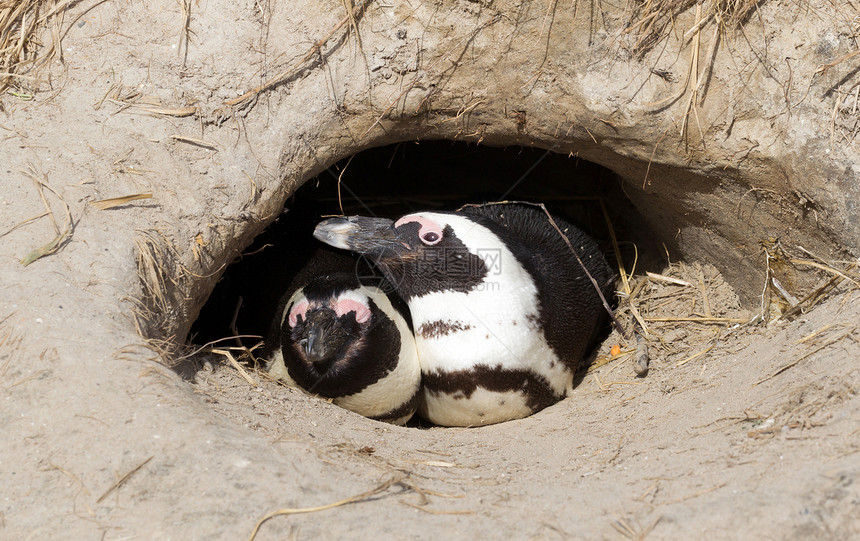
483 407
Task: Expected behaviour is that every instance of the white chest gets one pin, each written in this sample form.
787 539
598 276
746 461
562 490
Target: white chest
495 325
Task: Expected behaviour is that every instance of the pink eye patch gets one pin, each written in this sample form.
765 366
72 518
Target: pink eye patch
345 306
429 231
299 309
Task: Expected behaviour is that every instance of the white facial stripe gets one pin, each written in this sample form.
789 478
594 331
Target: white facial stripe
345 306
478 239
295 299
429 231
356 295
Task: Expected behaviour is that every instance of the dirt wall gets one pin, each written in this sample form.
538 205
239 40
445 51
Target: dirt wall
219 110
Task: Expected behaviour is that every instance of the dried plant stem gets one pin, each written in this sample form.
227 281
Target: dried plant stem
621 270
824 268
22 224
105 204
698 319
314 50
236 365
669 279
694 356
353 499
61 235
123 479
804 356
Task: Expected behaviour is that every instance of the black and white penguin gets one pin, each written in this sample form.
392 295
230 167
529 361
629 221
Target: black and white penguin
502 311
345 341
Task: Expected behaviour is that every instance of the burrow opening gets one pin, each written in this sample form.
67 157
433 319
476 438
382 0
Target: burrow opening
393 180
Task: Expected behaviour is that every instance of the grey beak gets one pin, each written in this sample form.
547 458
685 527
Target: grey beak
315 348
372 236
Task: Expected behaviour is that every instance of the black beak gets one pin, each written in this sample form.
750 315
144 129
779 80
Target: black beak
315 347
375 237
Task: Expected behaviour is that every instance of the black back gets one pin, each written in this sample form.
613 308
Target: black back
570 311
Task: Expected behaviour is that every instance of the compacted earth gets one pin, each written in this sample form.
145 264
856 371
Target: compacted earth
144 146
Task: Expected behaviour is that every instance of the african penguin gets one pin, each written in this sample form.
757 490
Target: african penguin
342 340
502 310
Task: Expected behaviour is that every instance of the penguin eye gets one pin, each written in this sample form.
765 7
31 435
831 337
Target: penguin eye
431 237
428 231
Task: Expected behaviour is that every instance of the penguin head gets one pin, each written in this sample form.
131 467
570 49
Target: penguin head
420 253
323 327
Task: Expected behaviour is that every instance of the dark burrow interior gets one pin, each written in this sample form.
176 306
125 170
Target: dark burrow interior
408 177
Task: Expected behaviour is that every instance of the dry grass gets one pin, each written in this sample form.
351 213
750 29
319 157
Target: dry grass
392 481
165 281
227 353
680 316
689 310
104 204
314 54
630 529
18 26
795 362
122 480
653 19
10 343
61 234
23 55
154 310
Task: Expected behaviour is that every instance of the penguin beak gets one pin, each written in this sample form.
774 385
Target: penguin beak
371 236
315 347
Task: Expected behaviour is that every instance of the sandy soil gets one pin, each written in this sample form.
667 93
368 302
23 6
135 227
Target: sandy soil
738 432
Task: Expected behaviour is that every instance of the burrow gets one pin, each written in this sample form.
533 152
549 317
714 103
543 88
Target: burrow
429 175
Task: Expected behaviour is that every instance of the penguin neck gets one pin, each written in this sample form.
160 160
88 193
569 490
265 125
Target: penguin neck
505 293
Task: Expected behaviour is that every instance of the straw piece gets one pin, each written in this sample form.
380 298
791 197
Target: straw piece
663 278
694 356
353 499
177 112
62 235
105 204
193 141
235 365
700 319
824 268
804 356
124 478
